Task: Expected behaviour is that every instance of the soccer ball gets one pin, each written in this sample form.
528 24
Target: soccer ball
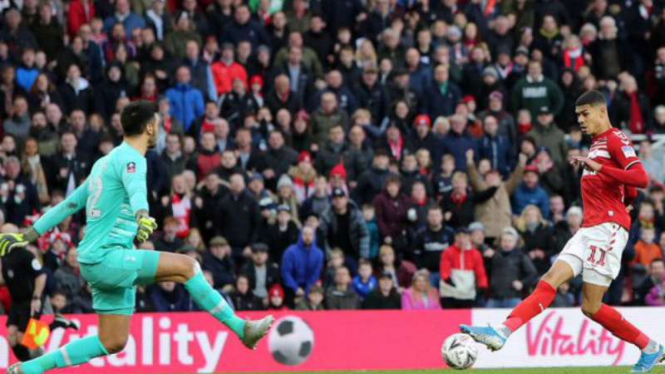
459 351
291 341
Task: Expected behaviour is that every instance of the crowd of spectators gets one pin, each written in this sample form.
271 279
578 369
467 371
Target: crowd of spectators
337 154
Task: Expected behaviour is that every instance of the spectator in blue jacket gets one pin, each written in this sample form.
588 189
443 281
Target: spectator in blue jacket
123 14
496 148
364 283
27 72
302 264
442 95
419 75
187 103
530 192
458 141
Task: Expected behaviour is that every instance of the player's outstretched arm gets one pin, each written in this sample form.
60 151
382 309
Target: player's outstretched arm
72 204
53 217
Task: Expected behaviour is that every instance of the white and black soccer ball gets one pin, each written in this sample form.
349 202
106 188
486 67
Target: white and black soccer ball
459 351
291 342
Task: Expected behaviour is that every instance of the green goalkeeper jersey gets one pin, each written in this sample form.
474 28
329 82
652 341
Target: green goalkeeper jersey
112 194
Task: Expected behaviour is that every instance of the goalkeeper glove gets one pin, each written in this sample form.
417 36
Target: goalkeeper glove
147 226
11 241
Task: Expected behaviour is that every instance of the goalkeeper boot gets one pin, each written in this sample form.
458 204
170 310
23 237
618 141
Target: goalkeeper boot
648 360
15 369
256 330
492 338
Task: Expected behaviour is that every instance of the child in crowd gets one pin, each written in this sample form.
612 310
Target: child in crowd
276 298
336 261
373 227
314 300
645 249
364 283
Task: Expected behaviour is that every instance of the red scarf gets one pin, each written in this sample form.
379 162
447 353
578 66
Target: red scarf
396 148
458 198
523 128
151 98
207 126
167 125
284 98
423 202
636 120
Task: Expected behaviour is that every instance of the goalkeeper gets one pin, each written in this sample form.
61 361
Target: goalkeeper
115 198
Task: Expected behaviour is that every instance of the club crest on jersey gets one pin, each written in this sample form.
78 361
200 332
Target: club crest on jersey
131 168
628 151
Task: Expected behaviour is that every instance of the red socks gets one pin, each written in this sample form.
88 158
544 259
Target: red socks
541 298
614 322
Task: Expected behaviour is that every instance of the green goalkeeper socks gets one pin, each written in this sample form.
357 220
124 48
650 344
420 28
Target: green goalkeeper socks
76 352
208 299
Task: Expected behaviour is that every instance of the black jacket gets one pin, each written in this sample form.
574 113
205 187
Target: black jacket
278 241
164 246
172 166
430 245
235 107
274 103
436 104
222 270
82 100
107 94
370 184
272 275
205 215
509 266
79 166
358 232
238 219
279 160
246 301
376 301
540 238
330 156
622 109
374 99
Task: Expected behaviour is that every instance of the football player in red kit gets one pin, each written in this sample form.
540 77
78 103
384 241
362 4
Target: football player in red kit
612 173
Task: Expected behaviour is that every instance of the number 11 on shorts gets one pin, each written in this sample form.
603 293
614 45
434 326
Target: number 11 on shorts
592 256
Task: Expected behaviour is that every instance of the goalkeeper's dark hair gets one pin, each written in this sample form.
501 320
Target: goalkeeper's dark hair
136 116
593 98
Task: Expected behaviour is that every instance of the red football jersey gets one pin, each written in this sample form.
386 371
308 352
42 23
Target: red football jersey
603 196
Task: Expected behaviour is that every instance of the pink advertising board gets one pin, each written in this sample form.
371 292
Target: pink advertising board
185 343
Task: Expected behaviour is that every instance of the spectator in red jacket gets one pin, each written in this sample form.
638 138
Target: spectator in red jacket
462 272
80 13
226 70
